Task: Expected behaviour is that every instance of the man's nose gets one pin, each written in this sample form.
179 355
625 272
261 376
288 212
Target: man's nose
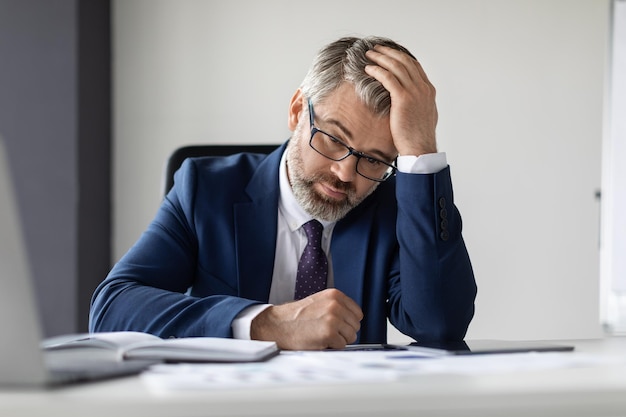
345 169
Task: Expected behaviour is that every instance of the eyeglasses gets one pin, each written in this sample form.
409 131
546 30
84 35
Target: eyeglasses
335 149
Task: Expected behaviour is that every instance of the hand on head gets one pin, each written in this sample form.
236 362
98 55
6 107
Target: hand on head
413 116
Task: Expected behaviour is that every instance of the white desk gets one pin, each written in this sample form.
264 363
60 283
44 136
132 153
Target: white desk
585 391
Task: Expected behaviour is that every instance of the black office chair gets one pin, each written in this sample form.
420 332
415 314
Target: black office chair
179 155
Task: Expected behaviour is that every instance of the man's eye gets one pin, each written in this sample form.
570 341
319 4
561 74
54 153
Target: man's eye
371 161
334 140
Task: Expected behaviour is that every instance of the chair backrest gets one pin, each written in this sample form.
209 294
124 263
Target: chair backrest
179 155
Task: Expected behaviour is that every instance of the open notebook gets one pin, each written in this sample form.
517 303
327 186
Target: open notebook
22 361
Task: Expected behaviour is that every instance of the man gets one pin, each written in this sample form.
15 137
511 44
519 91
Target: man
223 255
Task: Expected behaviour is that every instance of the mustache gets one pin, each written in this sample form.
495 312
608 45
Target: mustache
333 181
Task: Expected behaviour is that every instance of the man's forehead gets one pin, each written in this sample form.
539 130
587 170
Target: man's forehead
344 98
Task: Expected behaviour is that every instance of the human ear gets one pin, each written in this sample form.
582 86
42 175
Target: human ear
295 109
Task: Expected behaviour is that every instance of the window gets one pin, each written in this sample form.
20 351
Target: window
613 212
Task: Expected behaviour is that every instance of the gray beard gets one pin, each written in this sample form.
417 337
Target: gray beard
317 205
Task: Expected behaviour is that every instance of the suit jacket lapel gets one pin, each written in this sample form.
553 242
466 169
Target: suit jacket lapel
255 230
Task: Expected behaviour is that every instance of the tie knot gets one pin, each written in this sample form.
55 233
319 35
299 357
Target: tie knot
313 230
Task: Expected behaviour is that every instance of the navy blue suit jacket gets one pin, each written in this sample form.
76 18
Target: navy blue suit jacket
209 254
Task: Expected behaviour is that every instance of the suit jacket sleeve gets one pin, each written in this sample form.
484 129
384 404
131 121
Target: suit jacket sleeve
431 287
146 289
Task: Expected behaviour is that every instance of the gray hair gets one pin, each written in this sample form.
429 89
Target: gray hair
344 61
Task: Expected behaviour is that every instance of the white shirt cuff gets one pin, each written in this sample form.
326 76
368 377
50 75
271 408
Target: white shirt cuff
429 163
241 324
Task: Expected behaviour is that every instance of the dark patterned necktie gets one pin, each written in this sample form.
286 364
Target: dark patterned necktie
313 265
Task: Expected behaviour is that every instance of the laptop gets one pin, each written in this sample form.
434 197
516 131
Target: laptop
22 360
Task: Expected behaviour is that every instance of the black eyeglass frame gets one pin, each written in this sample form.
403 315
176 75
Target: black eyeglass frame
391 169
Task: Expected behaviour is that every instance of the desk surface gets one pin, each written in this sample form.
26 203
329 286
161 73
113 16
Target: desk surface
598 390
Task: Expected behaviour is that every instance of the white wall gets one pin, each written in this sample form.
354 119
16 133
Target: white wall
520 95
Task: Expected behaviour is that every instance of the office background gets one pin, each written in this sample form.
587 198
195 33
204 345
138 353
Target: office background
55 121
521 90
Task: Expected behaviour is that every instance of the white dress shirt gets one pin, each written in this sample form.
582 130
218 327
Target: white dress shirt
291 238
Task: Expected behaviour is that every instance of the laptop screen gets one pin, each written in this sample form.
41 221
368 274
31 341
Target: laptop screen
20 355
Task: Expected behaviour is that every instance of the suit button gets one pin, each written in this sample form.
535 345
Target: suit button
444 224
442 202
443 213
444 235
